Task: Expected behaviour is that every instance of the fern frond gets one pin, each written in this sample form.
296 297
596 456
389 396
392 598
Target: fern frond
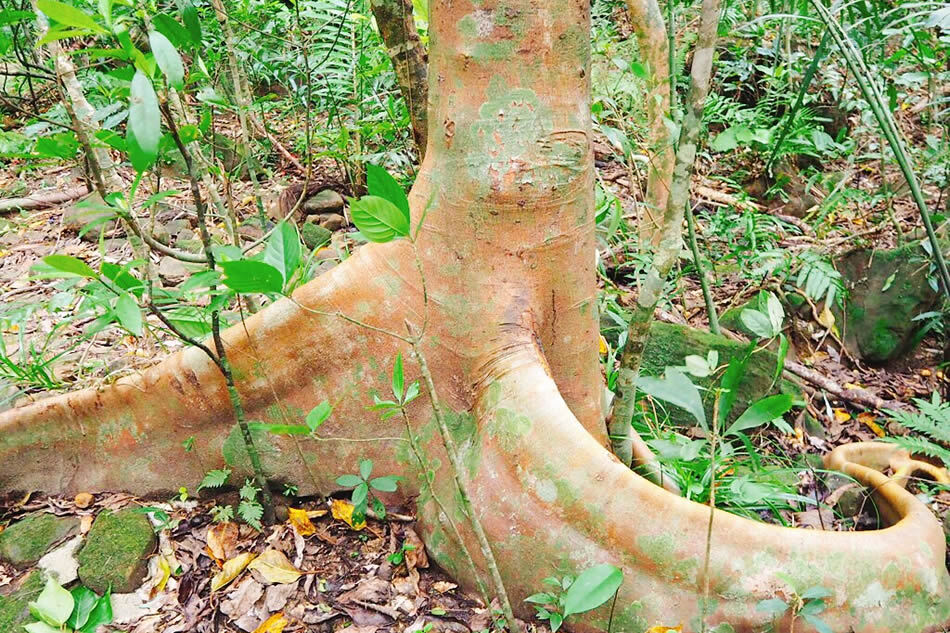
922 446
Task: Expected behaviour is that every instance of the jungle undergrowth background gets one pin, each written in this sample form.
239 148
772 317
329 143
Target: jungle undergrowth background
793 174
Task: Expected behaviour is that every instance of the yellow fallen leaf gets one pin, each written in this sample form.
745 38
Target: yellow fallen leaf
222 539
665 629
867 419
274 567
342 510
165 572
231 570
841 415
826 318
247 199
300 520
852 386
603 345
273 624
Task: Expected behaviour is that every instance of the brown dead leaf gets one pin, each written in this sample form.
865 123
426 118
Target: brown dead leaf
274 568
342 510
273 624
301 522
867 419
415 557
441 586
231 570
83 500
222 539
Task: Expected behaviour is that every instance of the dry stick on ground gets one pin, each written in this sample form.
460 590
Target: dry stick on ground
650 30
42 200
621 433
398 30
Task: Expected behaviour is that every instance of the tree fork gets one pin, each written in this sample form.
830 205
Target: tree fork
507 252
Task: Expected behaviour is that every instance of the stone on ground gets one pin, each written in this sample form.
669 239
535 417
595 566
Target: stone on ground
116 551
314 235
887 289
27 540
326 201
669 345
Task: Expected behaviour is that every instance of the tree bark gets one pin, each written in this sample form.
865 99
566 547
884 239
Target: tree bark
506 301
398 30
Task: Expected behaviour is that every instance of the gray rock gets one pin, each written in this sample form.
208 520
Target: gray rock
331 221
172 270
326 201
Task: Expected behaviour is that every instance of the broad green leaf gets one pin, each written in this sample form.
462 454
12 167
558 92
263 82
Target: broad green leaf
398 381
385 484
245 275
68 15
280 429
348 481
366 468
380 183
170 28
189 15
592 588
762 412
820 625
57 33
85 601
283 250
62 145
775 312
757 323
53 605
378 219
697 366
128 313
69 264
101 614
731 379
167 59
782 353
145 129
676 389
41 627
360 493
725 141
816 592
318 415
772 606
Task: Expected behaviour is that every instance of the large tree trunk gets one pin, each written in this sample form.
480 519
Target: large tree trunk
507 301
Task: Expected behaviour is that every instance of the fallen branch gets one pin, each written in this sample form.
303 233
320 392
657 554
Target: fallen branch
859 396
42 200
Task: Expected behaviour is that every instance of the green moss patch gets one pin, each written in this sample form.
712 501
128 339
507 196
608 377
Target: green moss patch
26 541
14 608
116 551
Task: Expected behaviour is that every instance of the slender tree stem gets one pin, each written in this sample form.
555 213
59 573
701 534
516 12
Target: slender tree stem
703 281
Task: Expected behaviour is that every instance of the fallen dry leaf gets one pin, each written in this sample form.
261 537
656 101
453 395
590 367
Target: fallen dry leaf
342 510
867 419
441 586
165 572
415 557
301 522
231 570
665 629
83 500
222 539
273 624
274 568
841 415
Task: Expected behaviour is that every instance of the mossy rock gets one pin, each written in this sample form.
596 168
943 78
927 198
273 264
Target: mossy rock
669 345
27 540
116 551
887 289
14 608
314 235
731 319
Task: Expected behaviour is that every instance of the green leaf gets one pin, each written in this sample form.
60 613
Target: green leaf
167 59
757 323
63 145
101 614
772 606
283 249
144 127
762 412
128 313
398 382
385 484
121 278
366 468
697 366
251 512
725 141
318 415
815 593
360 493
189 15
280 429
348 481
53 605
592 588
85 601
68 15
775 312
378 219
676 389
245 275
170 28
41 627
556 620
215 478
820 625
381 184
71 265
731 379
781 354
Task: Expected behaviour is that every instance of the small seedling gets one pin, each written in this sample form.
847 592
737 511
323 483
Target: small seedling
401 396
250 509
222 514
362 486
397 557
807 605
570 595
